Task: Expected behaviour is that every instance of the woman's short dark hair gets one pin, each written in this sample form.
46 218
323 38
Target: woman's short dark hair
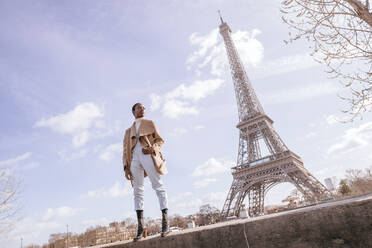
134 106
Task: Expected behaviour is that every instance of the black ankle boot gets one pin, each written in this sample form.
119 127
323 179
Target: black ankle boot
140 225
164 223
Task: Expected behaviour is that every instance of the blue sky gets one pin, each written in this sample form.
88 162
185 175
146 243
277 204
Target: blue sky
71 70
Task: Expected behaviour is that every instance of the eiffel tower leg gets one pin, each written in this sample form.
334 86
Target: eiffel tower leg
312 189
228 207
256 197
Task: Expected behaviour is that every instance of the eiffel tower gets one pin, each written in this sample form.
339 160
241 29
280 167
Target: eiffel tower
256 173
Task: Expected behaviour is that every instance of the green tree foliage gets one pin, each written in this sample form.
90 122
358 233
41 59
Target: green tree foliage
344 188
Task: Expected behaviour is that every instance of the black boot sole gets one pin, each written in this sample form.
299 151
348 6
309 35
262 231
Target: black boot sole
135 239
163 234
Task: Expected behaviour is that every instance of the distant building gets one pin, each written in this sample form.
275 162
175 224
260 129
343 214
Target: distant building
243 212
329 184
191 224
175 229
54 236
93 236
274 208
60 243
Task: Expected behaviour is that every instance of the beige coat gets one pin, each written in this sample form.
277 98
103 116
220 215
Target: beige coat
148 137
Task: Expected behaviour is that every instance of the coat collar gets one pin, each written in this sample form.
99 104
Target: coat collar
133 130
144 128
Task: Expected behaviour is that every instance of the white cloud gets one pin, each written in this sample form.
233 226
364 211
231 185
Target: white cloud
311 125
36 228
182 100
211 51
188 203
77 122
61 212
311 134
196 91
102 129
29 166
332 119
285 64
111 151
353 139
29 229
16 159
80 139
191 205
67 157
155 101
213 166
250 49
205 43
204 182
173 109
215 199
93 222
180 196
179 131
296 94
20 162
335 171
80 118
117 190
198 127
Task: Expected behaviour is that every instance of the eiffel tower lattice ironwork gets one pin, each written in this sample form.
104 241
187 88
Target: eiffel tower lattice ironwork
256 173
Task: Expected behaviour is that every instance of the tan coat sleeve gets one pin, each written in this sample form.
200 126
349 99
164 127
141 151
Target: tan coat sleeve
158 140
125 149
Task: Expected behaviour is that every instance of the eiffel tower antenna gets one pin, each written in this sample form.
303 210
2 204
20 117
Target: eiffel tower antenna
219 13
263 158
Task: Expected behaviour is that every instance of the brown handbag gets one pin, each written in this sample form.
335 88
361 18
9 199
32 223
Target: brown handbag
158 159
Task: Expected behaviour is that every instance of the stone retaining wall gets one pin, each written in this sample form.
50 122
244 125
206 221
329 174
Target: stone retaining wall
344 224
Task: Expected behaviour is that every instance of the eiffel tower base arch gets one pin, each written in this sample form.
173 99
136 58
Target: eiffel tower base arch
253 184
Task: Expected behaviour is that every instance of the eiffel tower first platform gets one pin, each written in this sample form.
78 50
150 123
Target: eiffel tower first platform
255 173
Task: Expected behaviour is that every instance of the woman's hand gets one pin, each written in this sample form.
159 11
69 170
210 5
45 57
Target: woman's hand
148 150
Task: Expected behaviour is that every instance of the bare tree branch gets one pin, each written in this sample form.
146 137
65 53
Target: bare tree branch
340 35
9 204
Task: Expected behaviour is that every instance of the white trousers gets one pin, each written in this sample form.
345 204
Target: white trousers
140 163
